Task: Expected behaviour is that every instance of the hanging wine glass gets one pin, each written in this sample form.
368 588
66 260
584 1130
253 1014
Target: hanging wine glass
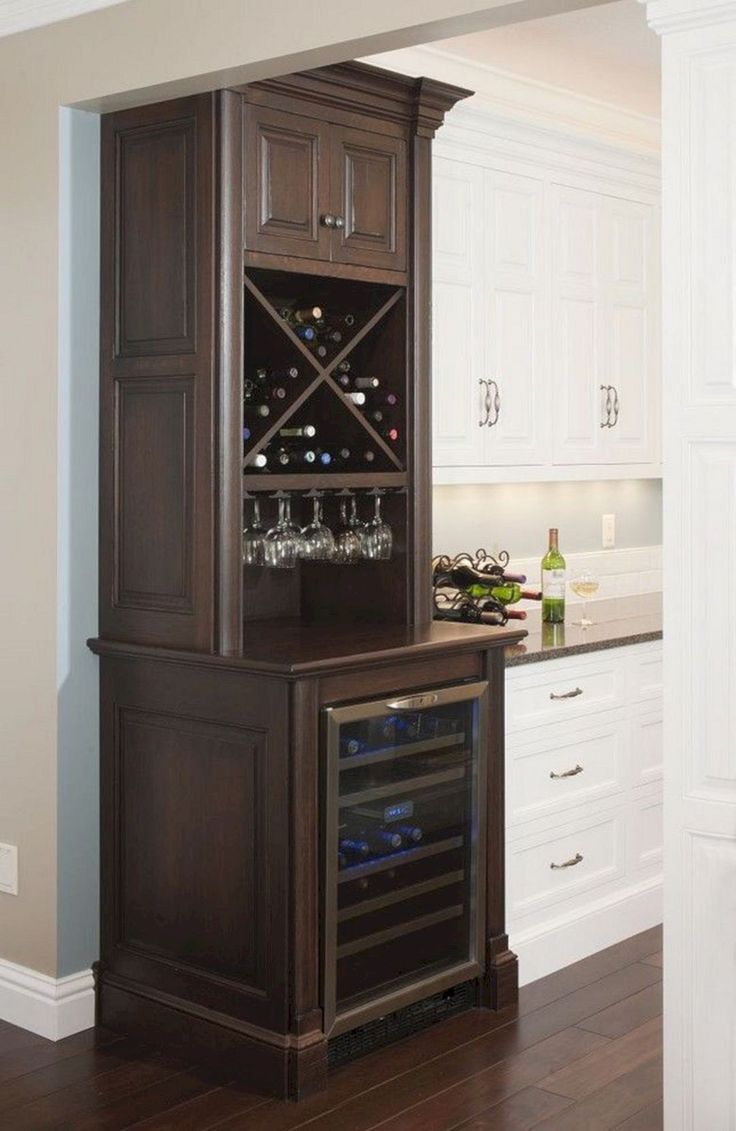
378 537
355 522
347 539
283 542
253 536
318 542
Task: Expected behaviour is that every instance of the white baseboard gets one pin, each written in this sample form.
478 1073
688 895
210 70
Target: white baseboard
556 943
51 1007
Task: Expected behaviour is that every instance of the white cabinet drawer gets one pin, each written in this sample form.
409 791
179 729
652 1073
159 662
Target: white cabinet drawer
566 769
565 863
558 690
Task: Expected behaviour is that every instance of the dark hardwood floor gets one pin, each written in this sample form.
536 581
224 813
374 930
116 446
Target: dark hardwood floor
583 1054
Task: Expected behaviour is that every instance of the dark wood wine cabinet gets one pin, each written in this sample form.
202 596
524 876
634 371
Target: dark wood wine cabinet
222 215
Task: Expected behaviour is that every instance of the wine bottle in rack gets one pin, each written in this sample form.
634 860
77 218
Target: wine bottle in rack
343 367
259 461
289 373
412 834
344 319
305 333
465 576
369 456
247 433
277 393
366 383
356 849
343 380
329 335
356 398
297 457
303 432
390 434
324 459
257 409
308 314
376 415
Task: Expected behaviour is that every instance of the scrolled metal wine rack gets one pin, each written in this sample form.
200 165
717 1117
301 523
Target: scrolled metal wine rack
449 600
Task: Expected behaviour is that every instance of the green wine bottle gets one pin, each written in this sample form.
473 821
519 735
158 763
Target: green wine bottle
553 582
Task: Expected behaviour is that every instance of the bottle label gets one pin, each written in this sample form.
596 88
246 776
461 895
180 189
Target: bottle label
553 583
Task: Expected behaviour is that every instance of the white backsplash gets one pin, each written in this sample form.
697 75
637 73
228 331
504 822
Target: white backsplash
622 573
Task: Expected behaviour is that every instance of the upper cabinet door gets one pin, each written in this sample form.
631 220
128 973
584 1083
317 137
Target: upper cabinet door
459 397
286 184
515 319
580 363
368 193
631 285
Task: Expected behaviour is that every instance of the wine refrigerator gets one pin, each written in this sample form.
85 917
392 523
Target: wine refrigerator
404 841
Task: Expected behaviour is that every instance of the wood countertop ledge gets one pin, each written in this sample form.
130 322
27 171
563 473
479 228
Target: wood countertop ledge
295 649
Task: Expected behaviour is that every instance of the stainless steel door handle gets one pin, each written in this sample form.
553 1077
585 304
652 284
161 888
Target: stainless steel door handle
486 403
495 400
576 859
567 773
607 389
567 694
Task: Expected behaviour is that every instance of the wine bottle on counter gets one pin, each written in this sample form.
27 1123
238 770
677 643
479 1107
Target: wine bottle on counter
553 581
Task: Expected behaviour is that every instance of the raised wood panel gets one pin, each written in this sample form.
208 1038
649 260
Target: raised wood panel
286 183
157 394
193 838
196 842
155 233
153 528
368 190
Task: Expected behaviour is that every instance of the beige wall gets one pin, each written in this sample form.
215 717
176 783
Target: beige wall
105 59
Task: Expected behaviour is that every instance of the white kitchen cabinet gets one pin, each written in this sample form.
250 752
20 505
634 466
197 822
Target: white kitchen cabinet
584 803
604 329
545 318
487 303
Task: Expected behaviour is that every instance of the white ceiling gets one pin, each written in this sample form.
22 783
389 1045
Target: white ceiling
606 52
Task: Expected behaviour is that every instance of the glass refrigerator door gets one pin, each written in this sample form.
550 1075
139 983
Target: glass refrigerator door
404 847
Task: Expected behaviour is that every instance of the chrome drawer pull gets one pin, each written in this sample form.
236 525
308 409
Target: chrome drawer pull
567 773
567 694
576 859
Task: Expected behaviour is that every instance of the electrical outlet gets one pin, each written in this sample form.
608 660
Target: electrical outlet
608 531
9 869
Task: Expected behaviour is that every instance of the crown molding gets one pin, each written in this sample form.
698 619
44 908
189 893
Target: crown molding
518 98
22 15
667 16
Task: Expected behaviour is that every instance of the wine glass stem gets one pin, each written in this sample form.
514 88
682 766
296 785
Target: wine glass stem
584 618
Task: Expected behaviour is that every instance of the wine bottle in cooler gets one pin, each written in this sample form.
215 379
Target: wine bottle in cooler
553 581
356 849
411 834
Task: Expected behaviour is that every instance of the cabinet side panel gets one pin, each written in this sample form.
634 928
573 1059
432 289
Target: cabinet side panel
196 852
157 375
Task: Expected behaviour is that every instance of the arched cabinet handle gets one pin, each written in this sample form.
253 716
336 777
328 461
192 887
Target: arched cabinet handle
615 406
576 859
567 773
486 402
607 389
495 399
567 694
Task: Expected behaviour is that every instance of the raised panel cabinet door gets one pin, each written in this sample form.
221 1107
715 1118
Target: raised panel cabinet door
631 285
459 397
368 191
515 303
286 183
578 326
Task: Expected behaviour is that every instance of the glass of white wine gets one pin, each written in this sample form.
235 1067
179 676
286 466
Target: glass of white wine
584 585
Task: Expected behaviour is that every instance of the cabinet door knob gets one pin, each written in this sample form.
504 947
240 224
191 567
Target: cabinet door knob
576 859
567 773
567 694
339 222
328 220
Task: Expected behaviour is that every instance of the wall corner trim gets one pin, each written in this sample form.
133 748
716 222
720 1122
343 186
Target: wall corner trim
51 1007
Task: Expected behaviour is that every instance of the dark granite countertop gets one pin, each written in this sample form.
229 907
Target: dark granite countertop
617 622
